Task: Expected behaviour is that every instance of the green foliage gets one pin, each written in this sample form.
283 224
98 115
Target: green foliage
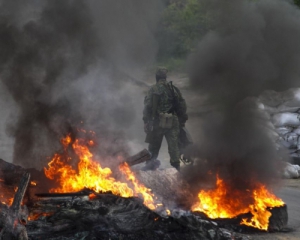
183 23
173 64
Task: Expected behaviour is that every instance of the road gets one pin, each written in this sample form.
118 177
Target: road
290 194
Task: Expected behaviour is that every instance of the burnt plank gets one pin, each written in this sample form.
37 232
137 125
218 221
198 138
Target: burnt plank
16 215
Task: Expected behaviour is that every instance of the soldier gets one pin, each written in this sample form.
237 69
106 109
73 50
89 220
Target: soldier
164 114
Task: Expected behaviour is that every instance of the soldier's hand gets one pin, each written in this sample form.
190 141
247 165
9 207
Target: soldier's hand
148 127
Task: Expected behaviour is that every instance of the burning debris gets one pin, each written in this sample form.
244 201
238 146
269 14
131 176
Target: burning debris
101 216
102 204
90 174
108 216
227 202
14 218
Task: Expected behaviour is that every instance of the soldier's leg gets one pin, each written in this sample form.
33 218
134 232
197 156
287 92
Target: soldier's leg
154 148
172 140
155 145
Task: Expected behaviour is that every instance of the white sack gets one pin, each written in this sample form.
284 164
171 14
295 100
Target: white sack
289 98
281 108
284 108
284 130
297 130
291 171
271 98
290 140
286 119
294 154
270 110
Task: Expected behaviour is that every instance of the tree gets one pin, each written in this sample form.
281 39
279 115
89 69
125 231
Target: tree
183 23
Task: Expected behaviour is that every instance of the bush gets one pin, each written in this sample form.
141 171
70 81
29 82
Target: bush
182 25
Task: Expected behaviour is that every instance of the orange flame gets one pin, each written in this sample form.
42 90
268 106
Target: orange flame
89 174
5 199
168 212
138 188
36 216
226 202
32 183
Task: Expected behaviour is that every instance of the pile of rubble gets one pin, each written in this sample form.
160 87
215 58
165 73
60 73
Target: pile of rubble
88 215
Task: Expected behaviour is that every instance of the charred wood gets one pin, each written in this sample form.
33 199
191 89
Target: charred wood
277 222
279 219
15 217
112 217
140 157
106 216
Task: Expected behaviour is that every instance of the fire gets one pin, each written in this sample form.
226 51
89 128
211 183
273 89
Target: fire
8 202
226 202
92 196
138 188
89 173
36 216
32 183
168 212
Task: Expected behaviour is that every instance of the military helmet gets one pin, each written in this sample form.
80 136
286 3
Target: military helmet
161 73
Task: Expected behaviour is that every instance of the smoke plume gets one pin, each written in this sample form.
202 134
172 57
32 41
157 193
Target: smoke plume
64 62
254 46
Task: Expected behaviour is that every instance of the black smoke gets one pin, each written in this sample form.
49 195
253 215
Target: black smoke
63 63
254 46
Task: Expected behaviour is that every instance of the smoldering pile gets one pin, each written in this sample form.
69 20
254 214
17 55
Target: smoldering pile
88 215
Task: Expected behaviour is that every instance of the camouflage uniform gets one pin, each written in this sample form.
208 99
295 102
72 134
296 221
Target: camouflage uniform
165 104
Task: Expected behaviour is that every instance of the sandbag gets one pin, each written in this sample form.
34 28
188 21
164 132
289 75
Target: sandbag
271 98
294 154
288 145
286 119
284 130
270 110
281 109
291 171
291 137
289 98
296 130
285 108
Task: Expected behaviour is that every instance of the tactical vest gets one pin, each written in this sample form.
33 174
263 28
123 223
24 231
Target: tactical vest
164 98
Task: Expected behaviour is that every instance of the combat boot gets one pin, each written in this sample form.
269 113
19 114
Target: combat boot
151 165
176 165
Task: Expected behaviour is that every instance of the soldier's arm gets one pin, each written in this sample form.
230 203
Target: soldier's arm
147 112
182 108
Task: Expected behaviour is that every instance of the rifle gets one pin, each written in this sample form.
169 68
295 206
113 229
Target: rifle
184 138
149 136
175 99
